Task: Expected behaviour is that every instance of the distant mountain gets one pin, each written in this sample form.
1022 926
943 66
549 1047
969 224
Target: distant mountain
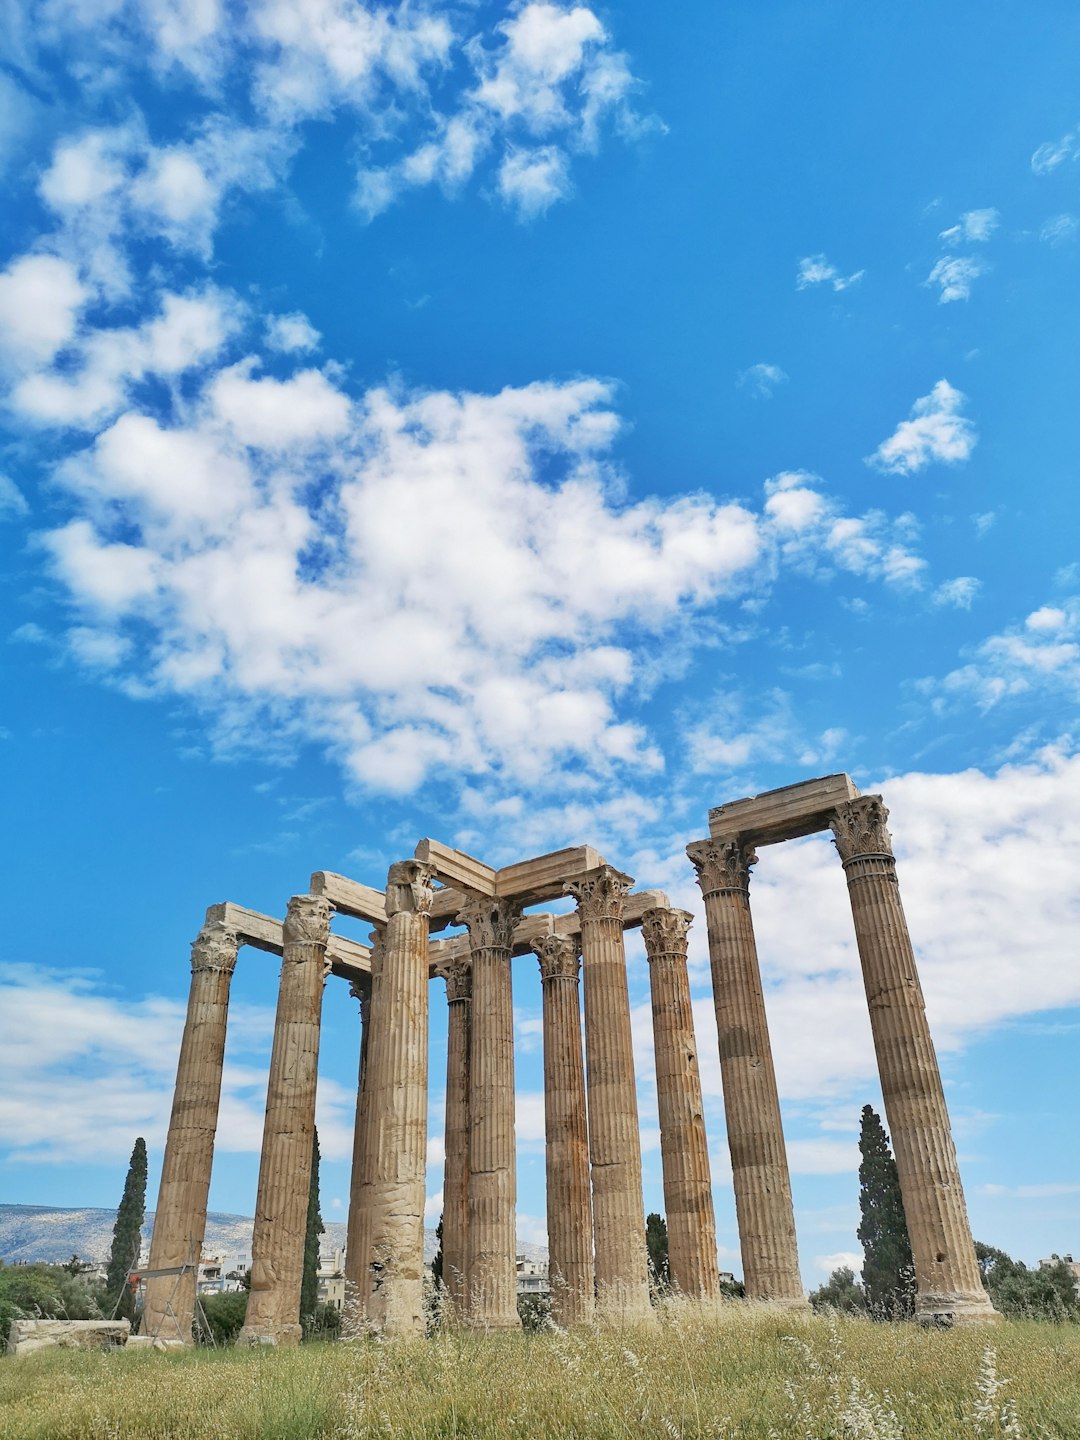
40 1232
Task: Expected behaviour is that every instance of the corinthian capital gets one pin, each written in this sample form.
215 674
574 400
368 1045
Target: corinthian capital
721 864
559 956
307 921
214 948
665 930
859 828
408 888
458 976
491 922
601 893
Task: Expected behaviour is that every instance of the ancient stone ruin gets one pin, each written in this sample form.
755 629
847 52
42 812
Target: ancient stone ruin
595 1214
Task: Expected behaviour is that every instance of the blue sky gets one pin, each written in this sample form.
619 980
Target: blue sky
530 425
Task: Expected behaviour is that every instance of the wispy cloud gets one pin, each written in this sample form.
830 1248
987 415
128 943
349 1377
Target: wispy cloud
1053 153
819 270
958 593
974 225
761 380
955 274
936 432
1039 655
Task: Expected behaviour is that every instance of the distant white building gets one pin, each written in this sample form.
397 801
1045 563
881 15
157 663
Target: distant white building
532 1276
1068 1262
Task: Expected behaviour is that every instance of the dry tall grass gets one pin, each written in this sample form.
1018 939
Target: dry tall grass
735 1373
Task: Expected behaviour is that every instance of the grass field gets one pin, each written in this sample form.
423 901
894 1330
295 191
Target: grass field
733 1373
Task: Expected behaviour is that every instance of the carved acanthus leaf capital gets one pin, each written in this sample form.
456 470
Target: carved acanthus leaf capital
409 888
491 922
377 943
859 827
664 930
559 956
214 948
722 864
360 989
458 976
307 920
600 895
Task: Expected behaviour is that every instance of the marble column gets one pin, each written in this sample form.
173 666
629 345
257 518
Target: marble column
622 1271
684 1148
455 1215
394 1178
492 1270
180 1220
759 1164
277 1242
569 1209
358 1232
949 1286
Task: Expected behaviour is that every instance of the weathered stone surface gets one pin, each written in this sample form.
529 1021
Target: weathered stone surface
180 1224
545 876
947 1275
358 1230
684 1147
569 1207
393 1179
783 814
455 1215
25 1337
456 869
277 1243
492 1274
759 1165
622 1275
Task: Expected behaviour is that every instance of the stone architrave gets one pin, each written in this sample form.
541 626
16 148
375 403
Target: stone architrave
277 1242
949 1286
398 1061
491 1269
569 1208
180 1220
455 1215
759 1164
358 1231
622 1271
684 1147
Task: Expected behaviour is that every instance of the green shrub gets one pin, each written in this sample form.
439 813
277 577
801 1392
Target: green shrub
221 1317
47 1292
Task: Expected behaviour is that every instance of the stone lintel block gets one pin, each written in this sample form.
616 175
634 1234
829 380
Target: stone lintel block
456 869
26 1336
546 876
363 902
348 958
783 814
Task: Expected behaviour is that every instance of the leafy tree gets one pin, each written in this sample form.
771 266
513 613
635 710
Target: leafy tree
219 1318
656 1243
1046 1293
888 1272
48 1292
127 1236
309 1286
437 1263
840 1292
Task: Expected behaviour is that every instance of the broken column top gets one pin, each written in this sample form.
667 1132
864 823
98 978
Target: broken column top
783 814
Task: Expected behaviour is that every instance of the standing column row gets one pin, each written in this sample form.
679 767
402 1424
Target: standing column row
759 1166
455 1215
358 1231
947 1276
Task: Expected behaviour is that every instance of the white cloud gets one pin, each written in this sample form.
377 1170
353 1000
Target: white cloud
935 432
814 536
1059 230
1054 152
819 270
1040 655
975 226
12 500
531 181
955 274
291 333
40 300
959 592
761 380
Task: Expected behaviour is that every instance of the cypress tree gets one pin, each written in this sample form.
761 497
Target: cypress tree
309 1286
888 1272
656 1243
127 1235
437 1263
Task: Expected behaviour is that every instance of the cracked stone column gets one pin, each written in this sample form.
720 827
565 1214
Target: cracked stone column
180 1219
759 1164
396 1168
684 1147
622 1269
358 1233
492 1269
455 1216
569 1209
277 1242
946 1272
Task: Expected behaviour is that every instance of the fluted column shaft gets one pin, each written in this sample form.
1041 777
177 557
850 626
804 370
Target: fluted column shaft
395 1174
277 1242
569 1209
622 1271
455 1215
180 1219
946 1272
492 1271
358 1232
684 1147
759 1166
